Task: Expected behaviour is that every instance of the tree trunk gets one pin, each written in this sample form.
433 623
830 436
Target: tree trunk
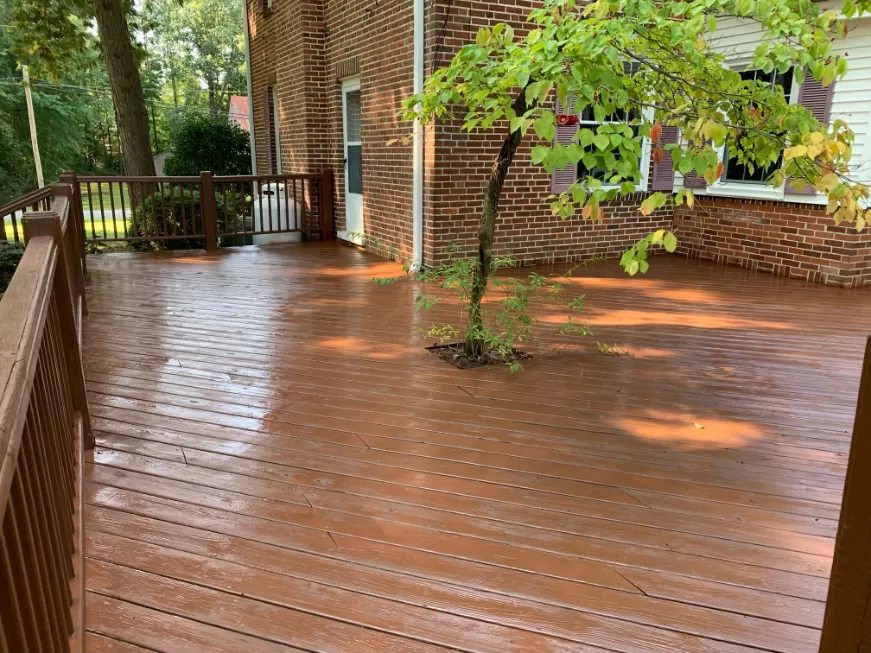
474 346
123 69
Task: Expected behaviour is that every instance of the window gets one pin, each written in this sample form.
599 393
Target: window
588 121
739 172
566 132
353 141
273 146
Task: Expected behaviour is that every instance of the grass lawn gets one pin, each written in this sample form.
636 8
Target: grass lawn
98 228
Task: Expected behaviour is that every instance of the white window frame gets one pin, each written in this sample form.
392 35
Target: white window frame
644 159
751 190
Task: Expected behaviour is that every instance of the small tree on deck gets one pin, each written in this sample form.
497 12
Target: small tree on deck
651 64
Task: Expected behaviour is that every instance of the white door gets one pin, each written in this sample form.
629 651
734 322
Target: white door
351 119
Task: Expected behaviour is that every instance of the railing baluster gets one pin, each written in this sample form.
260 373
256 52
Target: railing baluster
36 495
102 210
226 221
40 587
22 575
269 205
153 214
260 205
112 208
15 236
121 194
163 207
193 206
10 607
175 218
235 210
91 211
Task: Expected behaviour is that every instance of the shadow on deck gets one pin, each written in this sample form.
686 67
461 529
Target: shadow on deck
280 466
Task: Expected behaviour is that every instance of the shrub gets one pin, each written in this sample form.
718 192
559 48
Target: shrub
180 219
10 255
204 143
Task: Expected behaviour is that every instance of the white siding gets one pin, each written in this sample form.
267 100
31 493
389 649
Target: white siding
738 39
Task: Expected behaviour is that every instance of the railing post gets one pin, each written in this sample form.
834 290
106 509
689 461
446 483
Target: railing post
326 203
70 242
78 211
209 210
48 224
847 624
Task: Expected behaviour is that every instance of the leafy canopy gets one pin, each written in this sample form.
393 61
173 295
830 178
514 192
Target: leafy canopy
652 63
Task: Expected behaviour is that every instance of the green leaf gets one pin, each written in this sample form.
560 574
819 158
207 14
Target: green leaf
712 24
522 78
669 242
601 141
643 266
545 127
686 165
540 153
633 268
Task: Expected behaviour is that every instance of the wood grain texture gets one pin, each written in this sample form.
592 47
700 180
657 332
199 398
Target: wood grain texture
280 465
847 625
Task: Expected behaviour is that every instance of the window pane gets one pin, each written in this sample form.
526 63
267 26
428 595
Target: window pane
355 169
598 173
352 116
738 171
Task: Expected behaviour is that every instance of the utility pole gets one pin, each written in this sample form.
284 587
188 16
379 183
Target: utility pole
31 118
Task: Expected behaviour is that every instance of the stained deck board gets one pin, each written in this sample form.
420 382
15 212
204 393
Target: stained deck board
267 421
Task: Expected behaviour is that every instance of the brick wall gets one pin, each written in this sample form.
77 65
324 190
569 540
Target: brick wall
783 238
526 228
305 46
287 45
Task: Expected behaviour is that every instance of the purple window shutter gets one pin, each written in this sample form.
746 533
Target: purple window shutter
663 172
818 100
692 180
268 126
561 179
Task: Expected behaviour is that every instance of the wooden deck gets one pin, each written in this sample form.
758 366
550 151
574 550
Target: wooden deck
280 466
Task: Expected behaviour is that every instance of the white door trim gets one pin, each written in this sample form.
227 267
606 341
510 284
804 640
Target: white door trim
349 85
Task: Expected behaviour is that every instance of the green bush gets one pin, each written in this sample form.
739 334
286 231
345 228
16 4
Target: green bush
203 143
10 255
180 219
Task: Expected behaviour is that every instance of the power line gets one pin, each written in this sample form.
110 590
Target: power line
70 88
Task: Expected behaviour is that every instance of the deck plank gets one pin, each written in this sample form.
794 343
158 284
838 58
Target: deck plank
280 466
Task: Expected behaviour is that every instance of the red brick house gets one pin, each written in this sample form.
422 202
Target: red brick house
328 79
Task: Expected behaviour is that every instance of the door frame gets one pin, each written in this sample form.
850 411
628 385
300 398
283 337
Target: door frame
349 85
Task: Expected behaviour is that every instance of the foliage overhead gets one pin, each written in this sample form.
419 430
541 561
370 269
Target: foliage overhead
197 43
215 144
655 62
72 126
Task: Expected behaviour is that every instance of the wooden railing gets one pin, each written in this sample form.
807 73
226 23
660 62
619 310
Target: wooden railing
847 624
44 428
204 211
11 213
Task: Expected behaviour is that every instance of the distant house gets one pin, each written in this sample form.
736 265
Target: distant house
328 79
238 112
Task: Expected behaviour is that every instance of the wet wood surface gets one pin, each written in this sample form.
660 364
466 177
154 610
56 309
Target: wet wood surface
281 466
